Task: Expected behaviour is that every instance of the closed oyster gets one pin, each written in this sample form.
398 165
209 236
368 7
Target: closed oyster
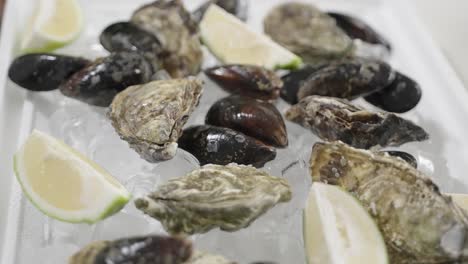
174 27
150 117
348 79
419 224
141 250
230 197
257 119
308 32
221 145
337 119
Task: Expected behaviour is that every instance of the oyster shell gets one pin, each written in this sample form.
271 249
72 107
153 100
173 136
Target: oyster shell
44 71
141 250
348 79
419 224
402 95
230 197
257 119
150 117
236 7
174 27
221 145
337 119
308 32
100 81
248 80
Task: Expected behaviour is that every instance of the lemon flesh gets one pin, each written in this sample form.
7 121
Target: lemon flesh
64 184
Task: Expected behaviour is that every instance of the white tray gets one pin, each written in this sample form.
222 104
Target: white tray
26 235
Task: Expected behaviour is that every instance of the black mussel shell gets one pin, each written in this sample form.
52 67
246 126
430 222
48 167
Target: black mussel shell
404 156
402 95
126 36
99 82
235 7
358 29
43 71
254 118
348 79
220 145
247 80
293 80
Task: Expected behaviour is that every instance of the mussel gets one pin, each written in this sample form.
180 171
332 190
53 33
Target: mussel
305 30
404 156
248 80
44 71
257 119
220 145
100 81
235 7
358 29
142 250
150 116
348 79
337 119
294 79
230 197
174 27
402 95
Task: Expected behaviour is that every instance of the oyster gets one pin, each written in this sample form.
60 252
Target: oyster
248 80
337 119
230 197
44 71
141 250
100 81
308 32
402 95
410 159
220 145
419 224
235 7
348 79
257 119
150 117
293 81
358 29
178 33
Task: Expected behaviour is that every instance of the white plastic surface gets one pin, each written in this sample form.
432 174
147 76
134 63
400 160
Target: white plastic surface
26 236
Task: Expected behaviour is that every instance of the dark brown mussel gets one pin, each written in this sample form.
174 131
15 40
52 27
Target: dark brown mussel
143 250
402 95
220 145
358 29
235 7
126 36
293 81
348 79
247 80
254 118
99 82
404 156
43 71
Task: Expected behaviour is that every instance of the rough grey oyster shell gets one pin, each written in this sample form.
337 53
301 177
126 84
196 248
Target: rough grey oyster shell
150 117
419 224
178 33
308 32
337 119
229 197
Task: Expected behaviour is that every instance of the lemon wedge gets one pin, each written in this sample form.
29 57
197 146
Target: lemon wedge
338 230
64 184
54 24
233 42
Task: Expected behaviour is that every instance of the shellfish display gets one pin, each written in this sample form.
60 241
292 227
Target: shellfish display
230 197
419 224
257 119
337 119
150 117
221 145
248 80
